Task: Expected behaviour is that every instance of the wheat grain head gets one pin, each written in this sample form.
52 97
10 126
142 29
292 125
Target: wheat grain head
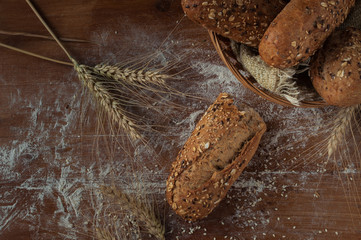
130 75
341 124
138 208
106 100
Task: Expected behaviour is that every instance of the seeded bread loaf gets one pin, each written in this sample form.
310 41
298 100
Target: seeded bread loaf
243 21
220 147
336 68
300 29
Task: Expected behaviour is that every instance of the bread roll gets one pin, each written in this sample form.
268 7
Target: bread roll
336 69
300 29
243 21
220 147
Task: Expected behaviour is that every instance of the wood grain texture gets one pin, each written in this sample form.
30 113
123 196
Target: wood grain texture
53 154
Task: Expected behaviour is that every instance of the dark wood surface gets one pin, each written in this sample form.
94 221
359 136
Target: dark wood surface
55 151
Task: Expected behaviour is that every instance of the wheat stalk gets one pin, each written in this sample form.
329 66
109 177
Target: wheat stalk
91 79
341 124
100 78
138 209
109 83
24 34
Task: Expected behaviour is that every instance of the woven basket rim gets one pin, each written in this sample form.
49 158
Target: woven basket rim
249 84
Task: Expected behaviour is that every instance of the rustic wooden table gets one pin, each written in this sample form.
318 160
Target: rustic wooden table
56 149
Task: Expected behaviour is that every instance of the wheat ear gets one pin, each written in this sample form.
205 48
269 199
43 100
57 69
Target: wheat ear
341 124
138 209
106 100
130 75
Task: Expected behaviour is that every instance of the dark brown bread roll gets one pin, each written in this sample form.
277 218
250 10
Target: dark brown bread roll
336 68
220 147
300 29
243 21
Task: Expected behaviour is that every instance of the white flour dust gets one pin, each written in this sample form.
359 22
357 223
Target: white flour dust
33 165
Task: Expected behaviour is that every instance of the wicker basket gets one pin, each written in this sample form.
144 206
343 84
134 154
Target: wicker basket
222 46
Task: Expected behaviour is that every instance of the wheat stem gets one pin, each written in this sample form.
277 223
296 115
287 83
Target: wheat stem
24 34
34 54
341 124
138 209
49 30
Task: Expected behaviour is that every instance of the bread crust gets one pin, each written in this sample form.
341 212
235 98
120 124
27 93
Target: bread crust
220 147
244 21
336 68
300 29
